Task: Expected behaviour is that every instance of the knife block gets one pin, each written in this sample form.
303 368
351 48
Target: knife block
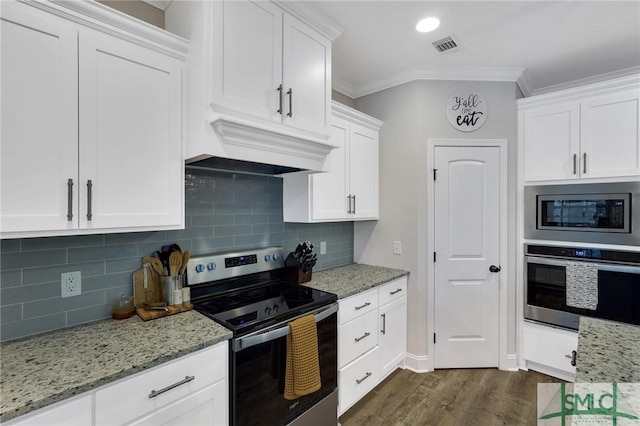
293 272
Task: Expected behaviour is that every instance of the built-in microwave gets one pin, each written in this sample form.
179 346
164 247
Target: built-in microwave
592 213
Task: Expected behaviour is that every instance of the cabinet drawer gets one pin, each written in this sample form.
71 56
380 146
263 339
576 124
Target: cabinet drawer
357 337
357 379
355 306
549 346
392 291
132 398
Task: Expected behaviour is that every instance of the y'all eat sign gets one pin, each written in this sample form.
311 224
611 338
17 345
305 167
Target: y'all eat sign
466 110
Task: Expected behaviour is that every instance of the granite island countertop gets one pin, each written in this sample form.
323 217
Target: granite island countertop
40 370
346 281
608 351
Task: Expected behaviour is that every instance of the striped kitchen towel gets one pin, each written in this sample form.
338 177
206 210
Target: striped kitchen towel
582 285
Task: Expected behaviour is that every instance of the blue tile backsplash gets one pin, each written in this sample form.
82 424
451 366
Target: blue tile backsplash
223 211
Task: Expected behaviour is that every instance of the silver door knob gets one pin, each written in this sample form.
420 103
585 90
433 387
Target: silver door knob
495 269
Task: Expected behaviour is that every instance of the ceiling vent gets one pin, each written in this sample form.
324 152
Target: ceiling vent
446 45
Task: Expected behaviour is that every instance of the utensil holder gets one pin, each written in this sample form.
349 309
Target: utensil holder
172 289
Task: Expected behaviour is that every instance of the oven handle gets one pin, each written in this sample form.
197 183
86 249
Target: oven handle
256 339
610 267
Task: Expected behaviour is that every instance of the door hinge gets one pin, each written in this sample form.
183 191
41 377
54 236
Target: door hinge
434 257
435 172
434 337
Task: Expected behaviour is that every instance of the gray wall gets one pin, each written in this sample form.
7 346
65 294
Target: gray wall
413 113
224 211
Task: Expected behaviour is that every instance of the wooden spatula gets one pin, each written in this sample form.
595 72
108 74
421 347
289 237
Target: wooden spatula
175 261
185 259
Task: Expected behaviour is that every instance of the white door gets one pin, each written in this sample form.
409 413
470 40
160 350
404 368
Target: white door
467 244
39 141
130 135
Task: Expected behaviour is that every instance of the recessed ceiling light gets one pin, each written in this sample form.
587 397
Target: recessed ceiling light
428 24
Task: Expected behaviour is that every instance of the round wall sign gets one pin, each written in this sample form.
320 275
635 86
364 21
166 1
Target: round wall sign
466 110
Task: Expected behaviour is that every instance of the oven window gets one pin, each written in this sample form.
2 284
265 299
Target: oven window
258 397
546 288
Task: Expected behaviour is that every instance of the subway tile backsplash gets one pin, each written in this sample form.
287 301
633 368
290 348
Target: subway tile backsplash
224 211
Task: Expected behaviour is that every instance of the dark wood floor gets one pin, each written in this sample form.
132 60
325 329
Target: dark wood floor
466 397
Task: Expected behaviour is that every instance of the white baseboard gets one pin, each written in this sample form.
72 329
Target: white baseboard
512 362
417 363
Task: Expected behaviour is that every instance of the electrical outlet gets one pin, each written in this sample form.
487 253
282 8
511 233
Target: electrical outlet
397 247
70 284
323 247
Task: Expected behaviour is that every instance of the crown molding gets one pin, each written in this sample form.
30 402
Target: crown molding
158 4
117 24
586 81
313 17
433 73
353 115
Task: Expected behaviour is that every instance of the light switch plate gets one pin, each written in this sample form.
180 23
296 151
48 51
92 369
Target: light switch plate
397 247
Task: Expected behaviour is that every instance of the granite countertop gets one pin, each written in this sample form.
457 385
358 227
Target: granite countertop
43 369
608 351
348 280
40 370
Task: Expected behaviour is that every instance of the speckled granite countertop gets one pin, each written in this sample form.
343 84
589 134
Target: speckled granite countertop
348 280
608 351
40 370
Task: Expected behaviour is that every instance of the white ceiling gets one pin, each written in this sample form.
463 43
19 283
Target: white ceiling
543 45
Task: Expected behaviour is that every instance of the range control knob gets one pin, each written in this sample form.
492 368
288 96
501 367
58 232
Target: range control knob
199 268
211 266
276 256
267 257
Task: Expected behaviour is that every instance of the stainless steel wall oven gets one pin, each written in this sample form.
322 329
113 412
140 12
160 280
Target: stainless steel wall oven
546 274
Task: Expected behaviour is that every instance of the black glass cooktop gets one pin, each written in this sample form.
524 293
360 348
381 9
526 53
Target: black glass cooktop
260 305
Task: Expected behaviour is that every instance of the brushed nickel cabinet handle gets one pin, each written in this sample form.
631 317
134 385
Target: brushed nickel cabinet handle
89 193
70 200
395 291
584 163
384 324
573 356
363 306
367 334
186 379
575 168
279 90
354 204
358 381
349 204
290 93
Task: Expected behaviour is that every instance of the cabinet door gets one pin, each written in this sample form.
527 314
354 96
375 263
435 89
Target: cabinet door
363 172
130 135
552 142
609 135
75 412
208 406
306 77
329 190
39 141
393 334
247 57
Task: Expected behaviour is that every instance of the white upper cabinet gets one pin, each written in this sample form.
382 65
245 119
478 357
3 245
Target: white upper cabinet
92 126
587 133
259 81
350 190
39 120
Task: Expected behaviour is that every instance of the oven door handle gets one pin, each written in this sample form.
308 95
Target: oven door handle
610 267
262 337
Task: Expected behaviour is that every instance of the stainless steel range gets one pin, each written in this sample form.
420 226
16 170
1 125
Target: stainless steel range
245 292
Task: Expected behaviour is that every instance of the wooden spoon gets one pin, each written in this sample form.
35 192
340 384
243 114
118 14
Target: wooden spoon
175 260
185 259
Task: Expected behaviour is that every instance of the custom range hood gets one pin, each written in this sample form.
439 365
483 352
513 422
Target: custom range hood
245 145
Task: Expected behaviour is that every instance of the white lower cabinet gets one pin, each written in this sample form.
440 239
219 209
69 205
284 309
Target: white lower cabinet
191 390
550 350
75 412
372 339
